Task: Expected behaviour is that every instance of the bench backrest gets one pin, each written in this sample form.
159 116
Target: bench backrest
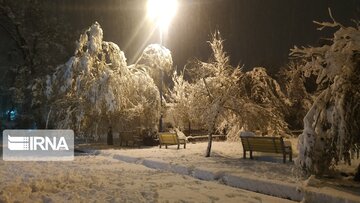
168 138
263 144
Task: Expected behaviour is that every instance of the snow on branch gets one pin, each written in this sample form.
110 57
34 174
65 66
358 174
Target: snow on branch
223 98
99 89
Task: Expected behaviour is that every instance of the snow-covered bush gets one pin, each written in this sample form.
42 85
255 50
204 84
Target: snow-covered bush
180 110
264 91
331 127
96 89
299 90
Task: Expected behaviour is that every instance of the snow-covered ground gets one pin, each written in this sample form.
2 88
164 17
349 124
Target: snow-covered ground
226 156
104 179
151 174
266 174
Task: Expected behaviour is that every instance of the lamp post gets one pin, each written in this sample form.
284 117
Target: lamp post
161 13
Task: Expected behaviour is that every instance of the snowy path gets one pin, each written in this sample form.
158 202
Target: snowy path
266 174
226 156
103 179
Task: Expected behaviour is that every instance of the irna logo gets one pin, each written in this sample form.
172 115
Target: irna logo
37 143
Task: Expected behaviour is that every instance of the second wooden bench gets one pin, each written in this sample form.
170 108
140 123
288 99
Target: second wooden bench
167 138
267 145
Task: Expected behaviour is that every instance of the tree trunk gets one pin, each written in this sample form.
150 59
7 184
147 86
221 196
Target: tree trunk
208 150
47 119
110 137
189 133
212 130
357 175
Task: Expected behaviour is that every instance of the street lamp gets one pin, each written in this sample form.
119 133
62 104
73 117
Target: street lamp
161 12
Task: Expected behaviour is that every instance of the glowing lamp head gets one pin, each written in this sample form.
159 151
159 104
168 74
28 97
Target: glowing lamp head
161 11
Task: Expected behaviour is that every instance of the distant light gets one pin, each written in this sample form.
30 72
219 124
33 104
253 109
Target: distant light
12 114
161 12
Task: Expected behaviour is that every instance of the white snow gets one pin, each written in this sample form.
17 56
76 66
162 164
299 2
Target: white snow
167 175
103 179
266 174
223 153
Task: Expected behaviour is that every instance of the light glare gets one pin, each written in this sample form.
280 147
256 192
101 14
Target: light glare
161 12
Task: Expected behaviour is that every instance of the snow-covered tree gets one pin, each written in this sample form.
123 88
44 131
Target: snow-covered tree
42 41
331 126
96 89
218 96
156 60
216 81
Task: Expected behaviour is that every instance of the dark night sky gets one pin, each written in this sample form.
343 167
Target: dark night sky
257 32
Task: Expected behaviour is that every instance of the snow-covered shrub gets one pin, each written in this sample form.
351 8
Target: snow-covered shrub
145 94
180 110
331 126
266 92
300 90
96 89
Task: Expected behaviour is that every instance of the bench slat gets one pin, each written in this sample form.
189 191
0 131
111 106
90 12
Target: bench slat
256 148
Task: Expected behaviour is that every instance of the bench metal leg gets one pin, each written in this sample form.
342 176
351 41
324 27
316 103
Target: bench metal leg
160 146
166 146
184 145
178 146
251 156
244 154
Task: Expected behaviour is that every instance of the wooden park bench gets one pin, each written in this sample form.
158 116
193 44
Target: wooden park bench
267 145
167 138
132 137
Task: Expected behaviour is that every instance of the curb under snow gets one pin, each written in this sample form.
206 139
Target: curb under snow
273 187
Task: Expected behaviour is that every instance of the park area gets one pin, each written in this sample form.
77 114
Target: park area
180 101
